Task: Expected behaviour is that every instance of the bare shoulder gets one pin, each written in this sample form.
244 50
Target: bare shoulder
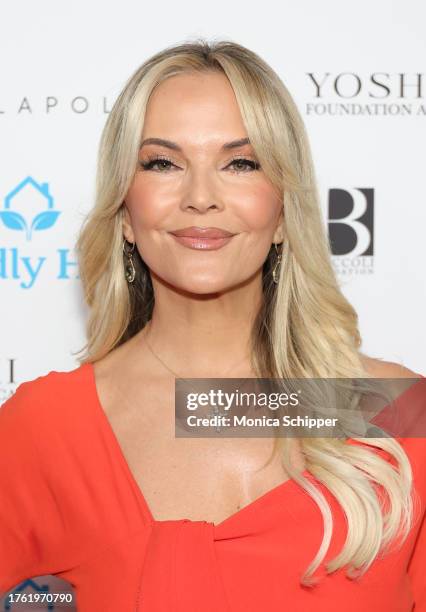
387 369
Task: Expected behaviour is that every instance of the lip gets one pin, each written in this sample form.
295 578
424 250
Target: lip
202 232
202 238
202 244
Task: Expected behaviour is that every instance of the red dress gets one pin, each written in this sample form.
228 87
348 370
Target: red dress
70 507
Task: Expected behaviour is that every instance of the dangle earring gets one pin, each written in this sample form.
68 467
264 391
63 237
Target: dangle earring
129 268
276 267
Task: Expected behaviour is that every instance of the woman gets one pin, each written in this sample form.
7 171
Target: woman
205 256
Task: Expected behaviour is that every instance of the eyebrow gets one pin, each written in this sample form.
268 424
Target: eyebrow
173 145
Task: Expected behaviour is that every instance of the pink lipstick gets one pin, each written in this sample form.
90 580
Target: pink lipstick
202 238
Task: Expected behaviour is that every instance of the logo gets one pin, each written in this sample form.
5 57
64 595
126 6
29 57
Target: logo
52 106
28 210
17 199
8 384
378 93
51 594
351 229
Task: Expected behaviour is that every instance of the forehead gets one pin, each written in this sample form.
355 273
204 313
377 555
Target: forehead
194 108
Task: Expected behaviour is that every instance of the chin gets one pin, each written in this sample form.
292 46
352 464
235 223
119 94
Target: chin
202 285
206 288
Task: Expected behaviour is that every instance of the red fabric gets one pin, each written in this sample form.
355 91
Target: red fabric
71 507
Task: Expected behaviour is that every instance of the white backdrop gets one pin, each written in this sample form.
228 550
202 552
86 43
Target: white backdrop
357 72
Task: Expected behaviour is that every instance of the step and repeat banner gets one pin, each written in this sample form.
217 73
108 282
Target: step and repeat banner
360 83
358 75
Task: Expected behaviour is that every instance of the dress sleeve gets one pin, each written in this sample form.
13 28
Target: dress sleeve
417 569
29 520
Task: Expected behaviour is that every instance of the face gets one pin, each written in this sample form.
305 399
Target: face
197 182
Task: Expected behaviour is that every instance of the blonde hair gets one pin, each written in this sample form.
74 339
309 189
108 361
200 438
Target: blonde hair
305 328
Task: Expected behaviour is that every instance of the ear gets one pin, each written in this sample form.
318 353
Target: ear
278 236
127 224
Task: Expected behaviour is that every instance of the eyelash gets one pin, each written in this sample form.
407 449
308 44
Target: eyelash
254 165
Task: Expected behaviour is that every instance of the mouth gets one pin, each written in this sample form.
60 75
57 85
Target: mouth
202 238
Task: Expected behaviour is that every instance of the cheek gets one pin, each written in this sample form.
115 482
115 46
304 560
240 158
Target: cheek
146 205
260 209
149 209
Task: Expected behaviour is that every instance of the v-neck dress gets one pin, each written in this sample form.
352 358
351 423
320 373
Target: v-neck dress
70 507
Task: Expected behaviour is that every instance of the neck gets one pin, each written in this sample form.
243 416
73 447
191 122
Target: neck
204 335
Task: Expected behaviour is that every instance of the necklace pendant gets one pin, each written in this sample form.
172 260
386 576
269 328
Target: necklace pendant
216 413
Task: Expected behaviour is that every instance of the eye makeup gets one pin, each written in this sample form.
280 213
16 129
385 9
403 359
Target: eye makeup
155 160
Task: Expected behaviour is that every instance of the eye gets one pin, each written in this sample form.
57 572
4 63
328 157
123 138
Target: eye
163 163
239 163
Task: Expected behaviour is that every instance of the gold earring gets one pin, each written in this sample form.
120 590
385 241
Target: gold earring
276 267
129 268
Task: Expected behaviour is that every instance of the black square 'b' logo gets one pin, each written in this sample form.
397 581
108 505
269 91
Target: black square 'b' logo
351 221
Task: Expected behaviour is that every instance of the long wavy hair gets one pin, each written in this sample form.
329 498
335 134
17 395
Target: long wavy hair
305 327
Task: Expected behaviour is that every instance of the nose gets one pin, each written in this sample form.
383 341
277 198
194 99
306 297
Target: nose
200 195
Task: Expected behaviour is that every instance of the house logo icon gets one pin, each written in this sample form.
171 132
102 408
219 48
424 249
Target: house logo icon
39 196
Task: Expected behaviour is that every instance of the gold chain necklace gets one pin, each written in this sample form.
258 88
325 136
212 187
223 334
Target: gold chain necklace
215 411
